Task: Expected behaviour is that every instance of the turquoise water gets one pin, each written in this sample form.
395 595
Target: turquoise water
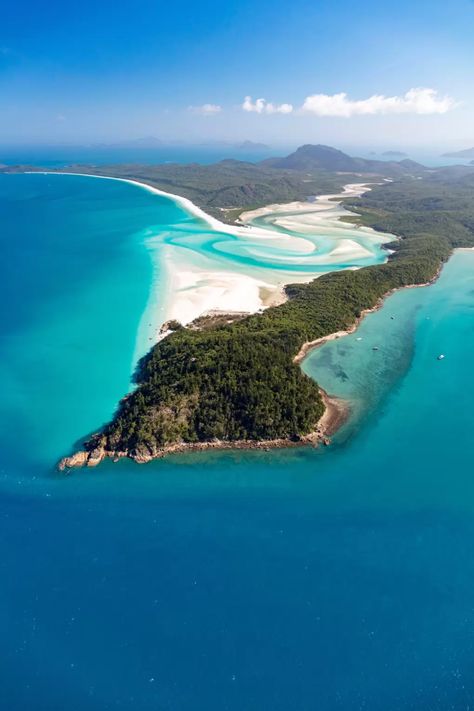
304 579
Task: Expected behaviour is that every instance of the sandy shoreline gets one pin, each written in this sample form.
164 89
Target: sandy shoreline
237 230
322 203
196 290
192 288
309 346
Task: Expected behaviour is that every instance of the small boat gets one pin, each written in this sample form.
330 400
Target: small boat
441 357
375 348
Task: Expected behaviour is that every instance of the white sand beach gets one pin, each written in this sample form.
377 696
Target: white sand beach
195 291
321 203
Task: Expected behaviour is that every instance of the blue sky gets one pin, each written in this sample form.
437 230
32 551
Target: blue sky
108 70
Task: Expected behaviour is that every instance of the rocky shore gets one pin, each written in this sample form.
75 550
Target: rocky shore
335 414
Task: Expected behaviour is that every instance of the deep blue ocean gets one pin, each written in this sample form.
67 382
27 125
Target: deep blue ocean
311 580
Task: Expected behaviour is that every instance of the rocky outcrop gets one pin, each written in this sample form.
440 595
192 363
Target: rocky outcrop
141 456
79 459
83 459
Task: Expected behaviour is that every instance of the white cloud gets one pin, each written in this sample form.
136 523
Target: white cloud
260 106
415 101
206 109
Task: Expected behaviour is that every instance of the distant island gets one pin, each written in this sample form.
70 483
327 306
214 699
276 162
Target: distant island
208 384
144 142
395 154
464 154
252 146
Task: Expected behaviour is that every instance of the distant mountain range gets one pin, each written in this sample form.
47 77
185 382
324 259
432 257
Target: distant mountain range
465 154
310 158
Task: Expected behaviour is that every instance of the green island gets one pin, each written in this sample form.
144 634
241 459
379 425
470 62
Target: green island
212 384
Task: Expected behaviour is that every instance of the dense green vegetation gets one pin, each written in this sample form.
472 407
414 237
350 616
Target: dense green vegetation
440 204
224 189
239 381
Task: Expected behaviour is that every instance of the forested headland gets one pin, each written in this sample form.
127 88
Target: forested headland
239 382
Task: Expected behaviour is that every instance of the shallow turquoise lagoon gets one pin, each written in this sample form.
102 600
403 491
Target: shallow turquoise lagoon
306 579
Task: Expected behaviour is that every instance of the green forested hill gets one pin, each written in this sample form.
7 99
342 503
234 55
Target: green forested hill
316 158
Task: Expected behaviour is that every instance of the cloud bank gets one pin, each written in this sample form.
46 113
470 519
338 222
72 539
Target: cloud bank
261 106
415 101
421 101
